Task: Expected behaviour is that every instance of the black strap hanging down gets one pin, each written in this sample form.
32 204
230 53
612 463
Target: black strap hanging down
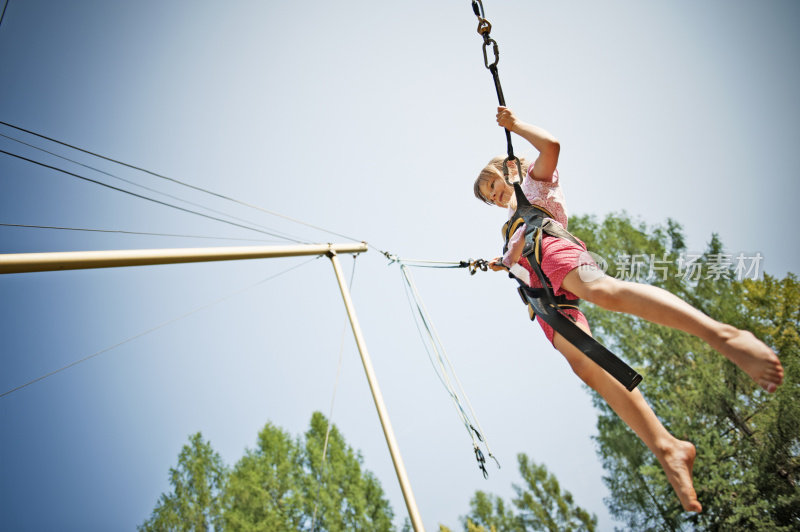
593 349
543 303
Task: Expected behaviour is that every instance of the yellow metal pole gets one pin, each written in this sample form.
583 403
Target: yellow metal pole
394 450
77 260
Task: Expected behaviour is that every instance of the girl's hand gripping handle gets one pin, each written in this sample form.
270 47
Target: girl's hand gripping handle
496 264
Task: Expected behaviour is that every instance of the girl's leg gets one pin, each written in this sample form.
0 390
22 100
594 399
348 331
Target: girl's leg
659 306
676 456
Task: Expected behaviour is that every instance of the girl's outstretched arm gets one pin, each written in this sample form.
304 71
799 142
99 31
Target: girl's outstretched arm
547 145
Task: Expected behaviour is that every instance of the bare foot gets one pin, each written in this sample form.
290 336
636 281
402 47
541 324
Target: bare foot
754 358
677 462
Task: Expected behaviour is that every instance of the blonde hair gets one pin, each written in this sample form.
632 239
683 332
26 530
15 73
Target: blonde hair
491 171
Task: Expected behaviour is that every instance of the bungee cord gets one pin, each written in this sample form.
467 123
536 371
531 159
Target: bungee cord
444 369
157 327
472 264
484 30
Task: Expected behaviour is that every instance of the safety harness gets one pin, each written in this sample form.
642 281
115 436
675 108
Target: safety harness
543 302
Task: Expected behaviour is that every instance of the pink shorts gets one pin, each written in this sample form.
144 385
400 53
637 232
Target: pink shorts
559 257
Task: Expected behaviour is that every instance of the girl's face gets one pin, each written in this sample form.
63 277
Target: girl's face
497 191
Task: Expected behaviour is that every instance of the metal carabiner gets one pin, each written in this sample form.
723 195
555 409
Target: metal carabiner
486 42
474 266
481 462
477 8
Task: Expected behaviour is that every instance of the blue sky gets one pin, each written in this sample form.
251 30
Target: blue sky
369 119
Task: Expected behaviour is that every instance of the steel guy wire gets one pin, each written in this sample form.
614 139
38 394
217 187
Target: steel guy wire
112 187
179 182
136 232
130 182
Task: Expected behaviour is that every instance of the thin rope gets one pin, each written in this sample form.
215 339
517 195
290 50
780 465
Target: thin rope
333 398
447 367
149 189
90 180
134 232
450 262
473 264
421 263
157 327
439 371
3 14
442 369
182 183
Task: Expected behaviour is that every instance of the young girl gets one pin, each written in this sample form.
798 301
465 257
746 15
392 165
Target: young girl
564 263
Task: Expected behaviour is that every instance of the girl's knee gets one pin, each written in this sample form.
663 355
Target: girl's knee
589 372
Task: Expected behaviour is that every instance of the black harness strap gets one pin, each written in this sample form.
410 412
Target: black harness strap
484 30
543 303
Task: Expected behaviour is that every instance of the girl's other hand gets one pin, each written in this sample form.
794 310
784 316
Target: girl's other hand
496 264
506 118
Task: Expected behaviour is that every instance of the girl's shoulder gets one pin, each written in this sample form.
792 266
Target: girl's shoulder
548 195
529 179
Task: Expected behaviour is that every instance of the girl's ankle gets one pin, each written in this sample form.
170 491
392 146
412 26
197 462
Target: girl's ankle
666 446
722 335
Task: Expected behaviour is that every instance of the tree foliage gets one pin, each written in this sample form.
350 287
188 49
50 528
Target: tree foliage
282 484
747 466
540 504
265 489
347 497
197 484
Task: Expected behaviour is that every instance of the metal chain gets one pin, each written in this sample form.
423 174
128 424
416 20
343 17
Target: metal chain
484 30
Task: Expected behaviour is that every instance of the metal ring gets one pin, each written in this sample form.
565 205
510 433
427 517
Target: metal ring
484 26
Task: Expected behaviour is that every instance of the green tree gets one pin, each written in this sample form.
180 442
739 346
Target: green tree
282 484
747 466
340 494
540 504
264 491
197 485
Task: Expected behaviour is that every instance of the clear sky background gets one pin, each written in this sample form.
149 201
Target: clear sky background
370 119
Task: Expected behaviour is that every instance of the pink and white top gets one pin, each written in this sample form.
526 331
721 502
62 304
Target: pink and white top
545 194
